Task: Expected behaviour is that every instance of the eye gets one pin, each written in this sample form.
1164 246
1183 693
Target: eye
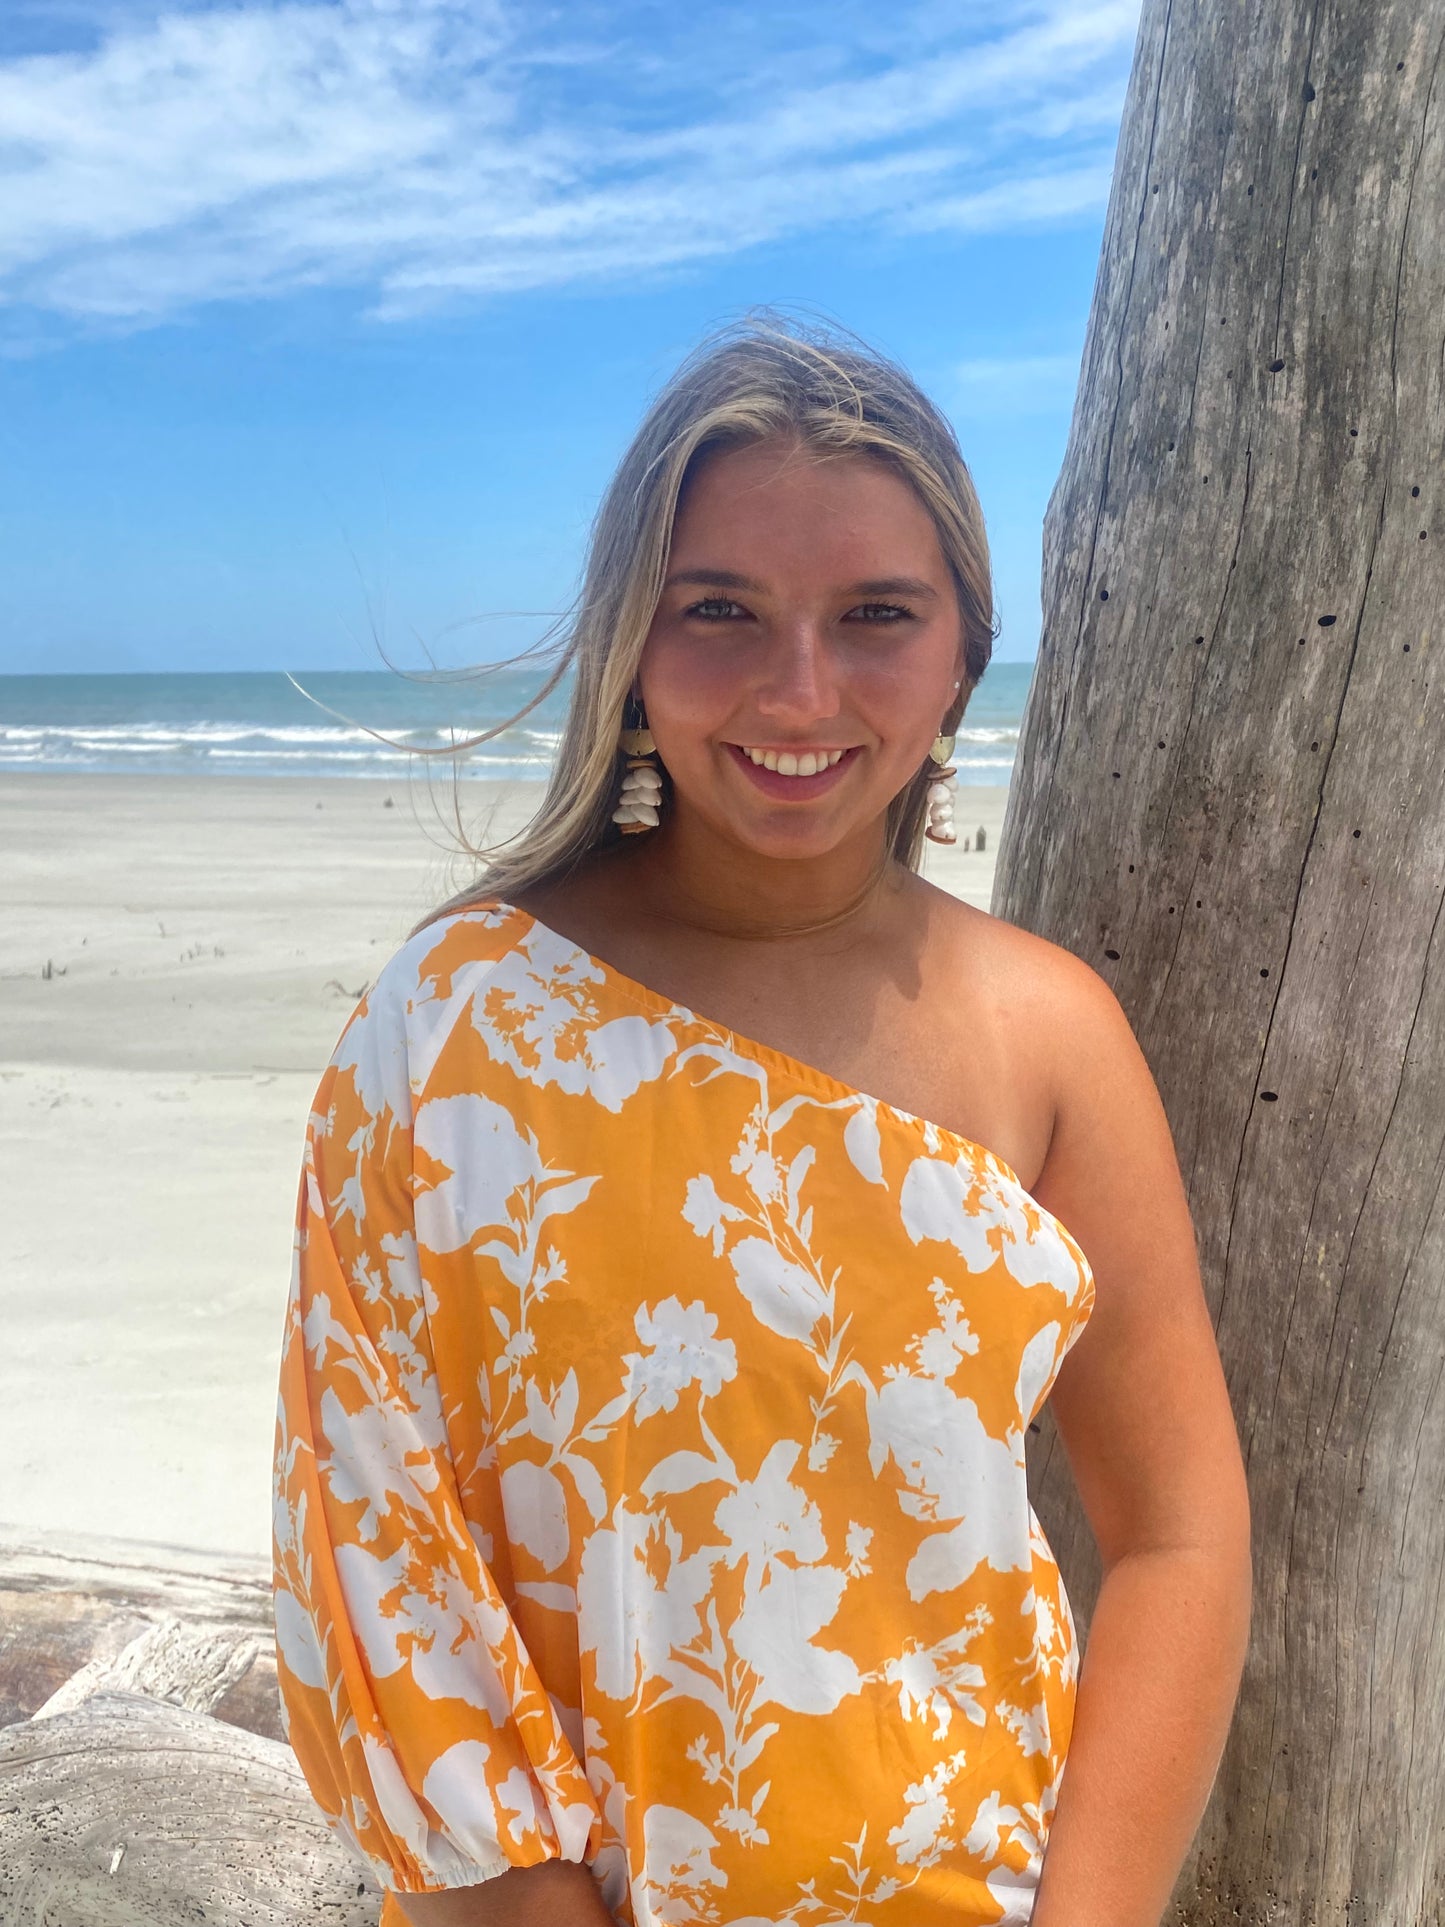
715 608
881 612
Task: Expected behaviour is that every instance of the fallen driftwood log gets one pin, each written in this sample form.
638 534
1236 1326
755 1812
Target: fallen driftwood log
144 1780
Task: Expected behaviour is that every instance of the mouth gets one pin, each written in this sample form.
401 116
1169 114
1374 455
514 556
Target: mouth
794 774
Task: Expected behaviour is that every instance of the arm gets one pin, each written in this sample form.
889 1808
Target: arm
412 1703
1143 1411
559 1893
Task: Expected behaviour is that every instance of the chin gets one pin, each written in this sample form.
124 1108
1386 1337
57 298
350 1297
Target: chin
787 835
810 843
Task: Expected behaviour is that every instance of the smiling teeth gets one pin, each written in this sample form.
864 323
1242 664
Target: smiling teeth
787 764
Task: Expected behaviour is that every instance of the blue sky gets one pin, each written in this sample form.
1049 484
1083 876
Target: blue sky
323 322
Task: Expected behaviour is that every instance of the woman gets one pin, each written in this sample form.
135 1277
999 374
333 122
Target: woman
694 1219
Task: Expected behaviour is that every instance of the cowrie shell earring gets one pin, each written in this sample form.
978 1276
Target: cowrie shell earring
939 827
641 797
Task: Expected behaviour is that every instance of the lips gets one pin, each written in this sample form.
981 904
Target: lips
775 783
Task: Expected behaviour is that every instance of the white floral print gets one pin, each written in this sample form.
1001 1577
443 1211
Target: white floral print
650 1485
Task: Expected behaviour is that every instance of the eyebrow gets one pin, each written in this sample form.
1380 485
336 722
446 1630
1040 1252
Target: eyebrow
908 585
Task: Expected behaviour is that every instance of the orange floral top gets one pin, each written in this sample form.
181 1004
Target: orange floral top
650 1483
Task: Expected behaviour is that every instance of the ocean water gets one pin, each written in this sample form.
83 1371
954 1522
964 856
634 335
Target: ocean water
353 723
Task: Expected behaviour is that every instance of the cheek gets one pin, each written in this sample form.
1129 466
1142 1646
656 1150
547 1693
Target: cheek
686 682
901 688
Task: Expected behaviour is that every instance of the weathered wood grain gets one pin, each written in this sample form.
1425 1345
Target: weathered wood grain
125 1812
120 1801
78 1613
1230 800
189 1666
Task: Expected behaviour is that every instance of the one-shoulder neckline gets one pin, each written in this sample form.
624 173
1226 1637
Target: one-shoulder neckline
767 1055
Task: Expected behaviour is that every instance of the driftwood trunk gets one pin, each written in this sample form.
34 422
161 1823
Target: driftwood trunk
1230 800
144 1781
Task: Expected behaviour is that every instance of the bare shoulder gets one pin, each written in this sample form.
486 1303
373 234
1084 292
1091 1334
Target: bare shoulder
1039 991
1110 1125
1058 987
1140 1401
989 1000
1081 1046
1111 1140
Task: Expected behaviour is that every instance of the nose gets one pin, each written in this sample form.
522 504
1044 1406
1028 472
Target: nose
799 680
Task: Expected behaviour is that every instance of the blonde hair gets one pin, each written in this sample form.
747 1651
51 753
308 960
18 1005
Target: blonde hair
756 379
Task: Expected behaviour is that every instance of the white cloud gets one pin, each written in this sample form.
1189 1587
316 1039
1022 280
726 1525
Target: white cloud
1013 384
1023 201
419 151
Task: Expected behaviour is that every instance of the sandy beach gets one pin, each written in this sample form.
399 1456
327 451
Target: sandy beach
177 958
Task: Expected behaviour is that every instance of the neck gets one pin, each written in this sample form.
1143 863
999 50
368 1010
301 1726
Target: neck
686 873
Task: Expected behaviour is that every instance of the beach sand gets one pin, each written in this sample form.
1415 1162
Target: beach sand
177 958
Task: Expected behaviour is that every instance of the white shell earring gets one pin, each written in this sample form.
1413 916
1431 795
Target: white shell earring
641 795
939 827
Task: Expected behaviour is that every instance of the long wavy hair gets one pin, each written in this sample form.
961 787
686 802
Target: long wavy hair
756 379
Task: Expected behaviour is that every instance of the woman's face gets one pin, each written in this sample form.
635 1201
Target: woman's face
808 612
